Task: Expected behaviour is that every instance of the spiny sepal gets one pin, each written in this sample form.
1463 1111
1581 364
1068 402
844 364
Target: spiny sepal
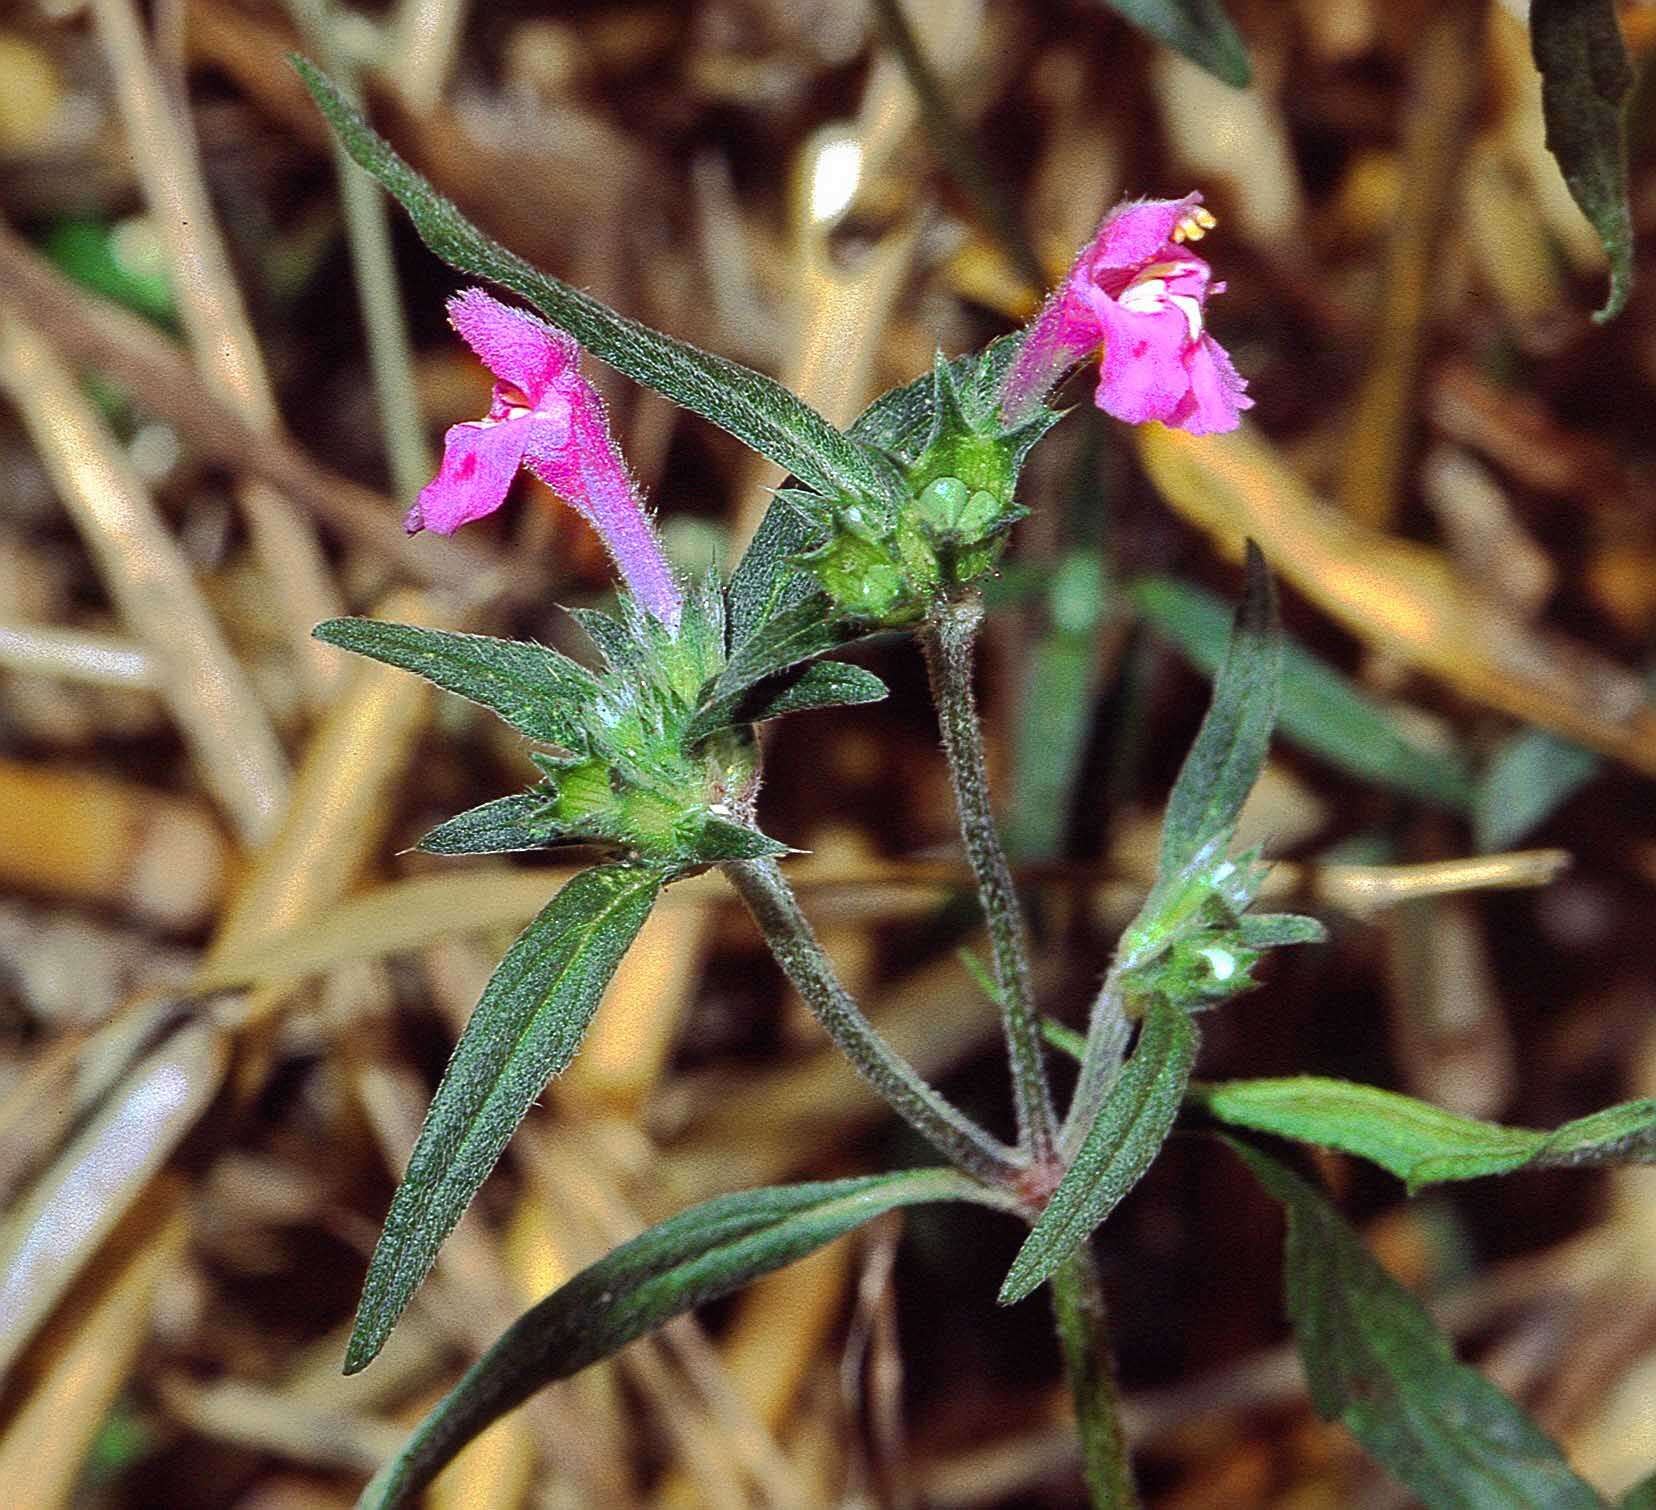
1194 939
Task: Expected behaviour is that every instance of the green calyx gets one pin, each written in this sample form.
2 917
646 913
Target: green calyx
1195 941
634 775
889 568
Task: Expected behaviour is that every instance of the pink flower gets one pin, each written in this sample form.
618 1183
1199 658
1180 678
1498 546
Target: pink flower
544 416
1141 292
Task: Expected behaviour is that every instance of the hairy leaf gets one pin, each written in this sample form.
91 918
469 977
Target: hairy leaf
824 684
1199 29
805 630
1321 711
500 827
1274 930
756 409
766 582
1132 1126
1419 1142
694 1257
526 1029
1585 83
1375 1361
537 691
721 840
1230 747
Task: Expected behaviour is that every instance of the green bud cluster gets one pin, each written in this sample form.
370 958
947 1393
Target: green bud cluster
1194 940
888 566
642 783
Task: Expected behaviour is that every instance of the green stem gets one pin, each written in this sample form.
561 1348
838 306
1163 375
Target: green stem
956 147
776 910
948 640
1089 1366
1101 1056
368 236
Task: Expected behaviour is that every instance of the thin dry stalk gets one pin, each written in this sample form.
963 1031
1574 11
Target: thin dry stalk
151 583
77 655
217 325
424 36
131 351
343 798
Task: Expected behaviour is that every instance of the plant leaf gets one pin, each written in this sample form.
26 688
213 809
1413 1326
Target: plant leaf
1375 1361
1199 29
1273 930
1418 1142
766 581
526 1029
693 1257
805 630
1642 1496
756 409
1585 84
721 840
1056 709
1321 711
900 419
1530 777
1230 747
503 826
1131 1127
537 691
823 684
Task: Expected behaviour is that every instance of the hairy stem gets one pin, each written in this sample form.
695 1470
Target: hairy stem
948 640
776 910
1089 1365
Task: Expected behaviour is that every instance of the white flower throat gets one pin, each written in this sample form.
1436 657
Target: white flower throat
1147 294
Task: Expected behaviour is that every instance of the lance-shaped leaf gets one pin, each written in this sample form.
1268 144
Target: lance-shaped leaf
1375 1362
756 409
825 684
537 691
694 1257
1321 710
1273 930
505 826
1199 29
1419 1142
718 840
1585 83
766 582
1230 747
1528 779
526 1029
1132 1126
805 630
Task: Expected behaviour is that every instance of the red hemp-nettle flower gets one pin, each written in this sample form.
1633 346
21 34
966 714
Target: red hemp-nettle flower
1138 290
544 416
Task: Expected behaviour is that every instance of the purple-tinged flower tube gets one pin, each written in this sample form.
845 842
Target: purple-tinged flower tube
544 416
1139 291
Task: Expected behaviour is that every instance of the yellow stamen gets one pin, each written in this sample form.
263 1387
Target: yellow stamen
1194 224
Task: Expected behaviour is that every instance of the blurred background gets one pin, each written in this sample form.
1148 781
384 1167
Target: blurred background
227 988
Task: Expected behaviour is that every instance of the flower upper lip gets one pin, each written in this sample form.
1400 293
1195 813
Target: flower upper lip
543 415
1140 293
